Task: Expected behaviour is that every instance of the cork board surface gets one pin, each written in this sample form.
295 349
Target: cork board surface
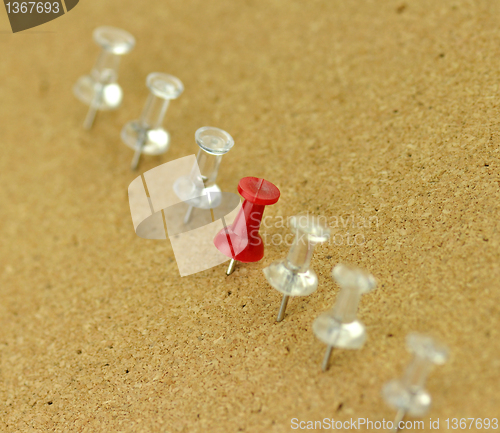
354 109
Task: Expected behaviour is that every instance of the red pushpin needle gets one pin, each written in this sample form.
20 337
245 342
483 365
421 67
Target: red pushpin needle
241 240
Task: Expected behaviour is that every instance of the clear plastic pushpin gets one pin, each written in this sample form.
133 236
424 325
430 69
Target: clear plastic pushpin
99 90
339 327
293 276
147 134
408 394
199 189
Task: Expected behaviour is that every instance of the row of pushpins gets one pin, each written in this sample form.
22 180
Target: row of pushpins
293 276
241 242
101 92
340 328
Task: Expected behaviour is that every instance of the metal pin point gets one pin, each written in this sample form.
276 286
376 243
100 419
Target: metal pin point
231 267
326 359
400 416
99 90
147 135
408 394
189 212
281 312
293 275
94 106
212 194
339 327
141 138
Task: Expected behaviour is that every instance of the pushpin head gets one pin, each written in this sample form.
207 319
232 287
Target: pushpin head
113 40
258 191
293 276
214 140
164 86
311 226
408 394
428 348
353 278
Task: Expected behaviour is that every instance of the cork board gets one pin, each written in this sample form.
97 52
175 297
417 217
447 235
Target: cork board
355 109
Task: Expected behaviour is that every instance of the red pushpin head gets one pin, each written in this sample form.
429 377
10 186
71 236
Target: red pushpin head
258 191
241 240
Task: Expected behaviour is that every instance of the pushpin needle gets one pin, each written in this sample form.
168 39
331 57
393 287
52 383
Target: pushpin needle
94 105
188 214
136 158
399 417
328 354
232 262
326 359
232 265
284 303
138 149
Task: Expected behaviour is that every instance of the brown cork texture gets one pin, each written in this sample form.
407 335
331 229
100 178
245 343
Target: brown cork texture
378 113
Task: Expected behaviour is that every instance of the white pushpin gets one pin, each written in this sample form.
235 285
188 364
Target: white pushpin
293 276
408 394
99 90
199 188
339 327
147 134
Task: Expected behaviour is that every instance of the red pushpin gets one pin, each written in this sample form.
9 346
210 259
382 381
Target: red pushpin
241 240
